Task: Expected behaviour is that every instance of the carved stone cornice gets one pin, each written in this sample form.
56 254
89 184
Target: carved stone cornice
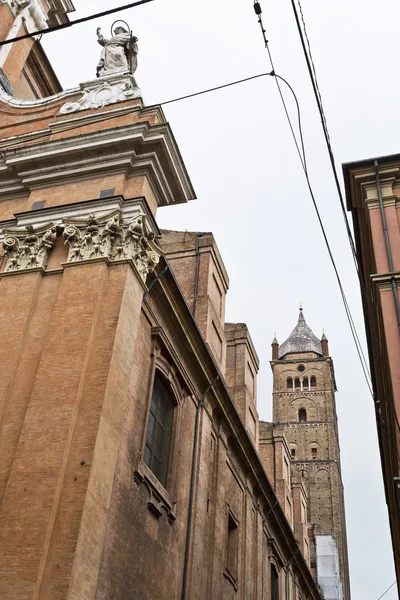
133 150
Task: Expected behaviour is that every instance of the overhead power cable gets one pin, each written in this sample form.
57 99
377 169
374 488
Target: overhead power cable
389 588
318 98
76 22
354 333
314 81
106 117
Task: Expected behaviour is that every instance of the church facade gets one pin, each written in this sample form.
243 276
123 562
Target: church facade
133 463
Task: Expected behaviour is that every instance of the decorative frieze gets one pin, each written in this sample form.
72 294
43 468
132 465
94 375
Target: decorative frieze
108 237
104 91
113 238
28 248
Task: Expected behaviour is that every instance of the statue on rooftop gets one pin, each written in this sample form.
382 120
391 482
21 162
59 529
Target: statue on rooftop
119 54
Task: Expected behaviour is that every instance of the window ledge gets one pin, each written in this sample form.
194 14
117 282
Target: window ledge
159 502
231 578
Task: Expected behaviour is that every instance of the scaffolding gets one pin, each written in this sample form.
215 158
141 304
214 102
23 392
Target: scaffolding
328 571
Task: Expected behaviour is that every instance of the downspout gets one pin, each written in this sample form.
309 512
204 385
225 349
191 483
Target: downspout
192 485
387 244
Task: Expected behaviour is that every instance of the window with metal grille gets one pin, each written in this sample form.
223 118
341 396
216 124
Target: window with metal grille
159 429
108 193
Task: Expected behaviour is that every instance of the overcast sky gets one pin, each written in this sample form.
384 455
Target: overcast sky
251 191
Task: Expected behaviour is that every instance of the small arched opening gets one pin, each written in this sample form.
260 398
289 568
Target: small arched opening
289 383
302 415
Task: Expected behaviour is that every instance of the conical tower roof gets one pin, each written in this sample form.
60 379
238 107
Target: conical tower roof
300 340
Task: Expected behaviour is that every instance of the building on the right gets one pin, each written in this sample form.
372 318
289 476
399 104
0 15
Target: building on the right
373 197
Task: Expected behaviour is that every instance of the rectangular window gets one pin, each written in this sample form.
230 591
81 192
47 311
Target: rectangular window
159 429
313 453
293 452
286 470
233 546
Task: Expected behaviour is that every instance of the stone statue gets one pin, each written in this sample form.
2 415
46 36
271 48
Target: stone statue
119 54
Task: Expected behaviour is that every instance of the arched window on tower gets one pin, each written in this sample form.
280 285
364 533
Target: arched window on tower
297 383
302 415
305 383
159 429
289 383
274 583
313 382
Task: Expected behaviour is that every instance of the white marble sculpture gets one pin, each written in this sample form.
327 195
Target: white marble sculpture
119 54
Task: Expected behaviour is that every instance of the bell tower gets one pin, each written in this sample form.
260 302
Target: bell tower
304 404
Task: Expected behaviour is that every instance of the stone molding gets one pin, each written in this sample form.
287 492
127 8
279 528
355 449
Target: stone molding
108 237
383 281
133 149
159 501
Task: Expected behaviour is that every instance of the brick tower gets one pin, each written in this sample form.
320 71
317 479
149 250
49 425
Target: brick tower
304 403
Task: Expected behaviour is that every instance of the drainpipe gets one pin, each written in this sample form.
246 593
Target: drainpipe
192 485
387 244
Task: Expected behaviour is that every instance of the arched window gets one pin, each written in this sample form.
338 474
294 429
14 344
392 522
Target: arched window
297 383
289 383
302 415
314 452
305 383
313 382
274 583
159 429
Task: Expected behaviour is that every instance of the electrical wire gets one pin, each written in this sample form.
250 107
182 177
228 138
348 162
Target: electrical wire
314 80
361 356
389 588
106 117
317 94
76 22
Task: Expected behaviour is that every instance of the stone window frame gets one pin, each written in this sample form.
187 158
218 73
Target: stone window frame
277 559
231 572
162 500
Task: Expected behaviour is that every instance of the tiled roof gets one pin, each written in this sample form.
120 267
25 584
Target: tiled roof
300 340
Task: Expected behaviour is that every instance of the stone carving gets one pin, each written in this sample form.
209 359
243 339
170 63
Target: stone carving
97 94
113 238
119 54
28 248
